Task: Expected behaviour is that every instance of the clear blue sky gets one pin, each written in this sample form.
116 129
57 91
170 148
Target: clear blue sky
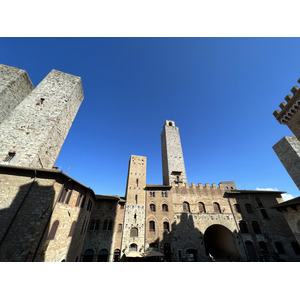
221 93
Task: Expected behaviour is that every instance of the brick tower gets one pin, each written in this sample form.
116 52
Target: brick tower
172 156
288 148
34 132
133 242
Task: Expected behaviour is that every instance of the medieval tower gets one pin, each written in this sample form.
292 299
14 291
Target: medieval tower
288 148
134 218
172 156
33 133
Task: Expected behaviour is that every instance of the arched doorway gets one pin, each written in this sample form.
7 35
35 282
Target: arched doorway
167 252
220 244
102 256
88 255
251 251
191 255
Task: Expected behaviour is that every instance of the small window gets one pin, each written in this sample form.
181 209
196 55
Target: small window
152 194
119 227
259 203
83 202
216 207
122 206
83 225
201 207
296 247
166 227
89 206
72 230
152 226
164 194
165 207
78 200
63 195
248 208
279 248
97 225
186 207
137 182
68 197
243 227
9 156
152 207
105 225
53 230
134 232
92 224
264 214
263 248
237 208
136 199
170 124
110 225
256 227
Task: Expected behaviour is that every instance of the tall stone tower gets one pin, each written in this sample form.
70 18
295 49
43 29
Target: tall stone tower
34 132
172 156
134 220
15 85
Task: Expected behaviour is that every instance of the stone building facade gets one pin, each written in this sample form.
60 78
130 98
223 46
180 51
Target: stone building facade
45 215
182 222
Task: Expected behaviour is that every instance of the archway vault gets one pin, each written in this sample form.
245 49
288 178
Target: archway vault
220 244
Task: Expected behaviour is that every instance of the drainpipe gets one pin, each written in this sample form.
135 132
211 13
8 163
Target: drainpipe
20 206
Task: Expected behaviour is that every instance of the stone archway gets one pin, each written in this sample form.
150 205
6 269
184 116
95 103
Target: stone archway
220 244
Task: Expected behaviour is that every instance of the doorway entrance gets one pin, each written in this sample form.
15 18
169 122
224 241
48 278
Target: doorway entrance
220 244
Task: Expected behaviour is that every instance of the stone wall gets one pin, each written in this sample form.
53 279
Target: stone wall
35 131
15 85
288 151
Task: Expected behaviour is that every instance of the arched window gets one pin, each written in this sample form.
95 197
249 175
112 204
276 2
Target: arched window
264 214
237 208
133 247
166 227
97 225
249 208
92 224
243 227
296 247
53 230
186 207
88 255
152 226
152 207
117 253
216 207
110 225
256 227
201 207
165 207
134 232
251 251
72 230
119 227
102 256
263 248
279 248
105 225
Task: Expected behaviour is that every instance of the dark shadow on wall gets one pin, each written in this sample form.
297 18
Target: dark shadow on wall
185 243
264 232
25 219
101 229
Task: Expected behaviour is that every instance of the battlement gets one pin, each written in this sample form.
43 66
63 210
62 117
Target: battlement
226 185
290 107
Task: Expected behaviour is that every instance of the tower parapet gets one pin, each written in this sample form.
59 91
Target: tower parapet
290 114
